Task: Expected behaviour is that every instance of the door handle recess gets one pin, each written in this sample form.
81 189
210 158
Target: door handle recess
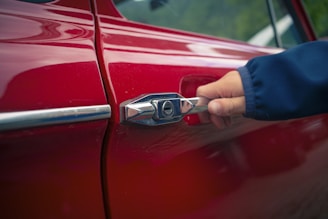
160 108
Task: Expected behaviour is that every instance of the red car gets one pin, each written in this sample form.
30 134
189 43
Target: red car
91 123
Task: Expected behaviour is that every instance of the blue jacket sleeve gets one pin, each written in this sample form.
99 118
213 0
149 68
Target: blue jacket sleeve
287 85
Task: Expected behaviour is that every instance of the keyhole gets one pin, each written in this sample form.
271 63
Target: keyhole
167 108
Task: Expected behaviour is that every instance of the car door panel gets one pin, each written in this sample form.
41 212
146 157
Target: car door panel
202 173
44 45
251 169
52 172
50 146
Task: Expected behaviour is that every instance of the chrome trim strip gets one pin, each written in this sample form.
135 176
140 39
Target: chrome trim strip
35 118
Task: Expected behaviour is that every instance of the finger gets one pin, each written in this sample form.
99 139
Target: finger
227 106
229 85
204 117
221 122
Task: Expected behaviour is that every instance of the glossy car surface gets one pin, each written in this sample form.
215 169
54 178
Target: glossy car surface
82 60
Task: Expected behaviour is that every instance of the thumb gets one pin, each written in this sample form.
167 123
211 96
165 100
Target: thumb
227 106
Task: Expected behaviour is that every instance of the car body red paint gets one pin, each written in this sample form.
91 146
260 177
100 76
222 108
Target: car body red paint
48 61
80 53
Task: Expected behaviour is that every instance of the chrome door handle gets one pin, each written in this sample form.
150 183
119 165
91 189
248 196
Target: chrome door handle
160 108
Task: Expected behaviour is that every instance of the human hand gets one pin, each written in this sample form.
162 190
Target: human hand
225 98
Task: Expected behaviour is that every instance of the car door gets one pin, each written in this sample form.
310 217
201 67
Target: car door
53 111
186 169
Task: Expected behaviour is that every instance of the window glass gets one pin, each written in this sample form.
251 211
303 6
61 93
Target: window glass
287 33
318 13
241 20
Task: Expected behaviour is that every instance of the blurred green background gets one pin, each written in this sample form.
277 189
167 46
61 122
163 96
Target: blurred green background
234 19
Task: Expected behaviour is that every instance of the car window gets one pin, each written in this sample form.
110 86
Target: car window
285 34
317 11
247 21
